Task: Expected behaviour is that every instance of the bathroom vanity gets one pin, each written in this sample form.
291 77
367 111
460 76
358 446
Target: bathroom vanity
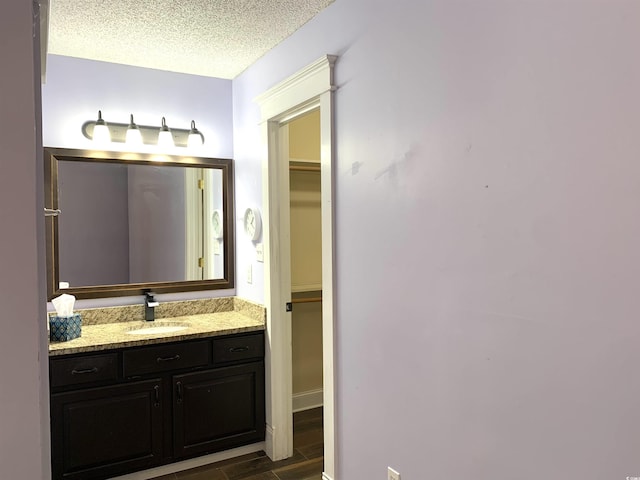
129 395
121 403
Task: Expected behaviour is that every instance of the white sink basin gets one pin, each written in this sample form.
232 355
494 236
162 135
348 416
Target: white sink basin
157 328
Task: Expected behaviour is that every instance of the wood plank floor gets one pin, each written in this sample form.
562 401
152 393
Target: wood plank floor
305 464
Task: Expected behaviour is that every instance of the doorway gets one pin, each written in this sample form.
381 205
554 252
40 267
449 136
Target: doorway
305 216
308 90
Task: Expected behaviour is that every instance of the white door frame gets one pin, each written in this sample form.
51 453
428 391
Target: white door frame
310 88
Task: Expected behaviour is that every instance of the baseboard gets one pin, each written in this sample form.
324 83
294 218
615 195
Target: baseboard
326 476
307 400
192 463
268 441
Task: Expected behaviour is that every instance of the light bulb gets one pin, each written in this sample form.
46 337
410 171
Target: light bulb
134 136
195 137
101 134
165 138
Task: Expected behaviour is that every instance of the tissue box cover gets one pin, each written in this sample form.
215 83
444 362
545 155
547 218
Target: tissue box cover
62 329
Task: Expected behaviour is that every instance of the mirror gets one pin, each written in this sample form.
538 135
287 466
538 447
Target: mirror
131 222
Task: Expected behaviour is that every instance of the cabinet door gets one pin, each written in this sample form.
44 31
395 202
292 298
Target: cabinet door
100 432
218 409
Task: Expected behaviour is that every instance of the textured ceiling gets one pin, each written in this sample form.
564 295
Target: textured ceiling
216 38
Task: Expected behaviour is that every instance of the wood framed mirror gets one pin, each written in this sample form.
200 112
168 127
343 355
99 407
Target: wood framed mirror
133 222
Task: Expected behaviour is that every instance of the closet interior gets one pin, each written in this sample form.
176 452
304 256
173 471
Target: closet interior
306 260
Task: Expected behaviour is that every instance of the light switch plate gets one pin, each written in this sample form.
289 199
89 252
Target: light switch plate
216 247
392 474
259 252
250 274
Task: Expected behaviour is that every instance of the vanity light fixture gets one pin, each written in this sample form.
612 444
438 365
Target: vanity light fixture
134 137
195 137
104 133
165 139
101 134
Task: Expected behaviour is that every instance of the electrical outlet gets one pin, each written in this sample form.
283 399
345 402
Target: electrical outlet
250 274
392 474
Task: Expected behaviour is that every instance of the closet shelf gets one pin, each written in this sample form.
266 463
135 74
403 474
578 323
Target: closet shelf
306 300
306 288
304 168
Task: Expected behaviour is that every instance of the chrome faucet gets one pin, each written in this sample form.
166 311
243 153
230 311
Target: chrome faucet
149 306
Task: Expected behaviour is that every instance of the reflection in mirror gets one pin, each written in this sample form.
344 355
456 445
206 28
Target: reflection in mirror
130 223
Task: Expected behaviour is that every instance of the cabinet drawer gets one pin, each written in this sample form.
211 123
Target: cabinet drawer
147 360
238 348
78 370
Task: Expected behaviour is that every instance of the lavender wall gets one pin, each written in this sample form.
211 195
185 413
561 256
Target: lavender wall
24 407
93 229
487 230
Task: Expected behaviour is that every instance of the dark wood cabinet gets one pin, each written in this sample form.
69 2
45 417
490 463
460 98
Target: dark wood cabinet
122 411
106 431
218 409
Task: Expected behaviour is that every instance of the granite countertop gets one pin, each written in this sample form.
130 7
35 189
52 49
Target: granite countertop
106 336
